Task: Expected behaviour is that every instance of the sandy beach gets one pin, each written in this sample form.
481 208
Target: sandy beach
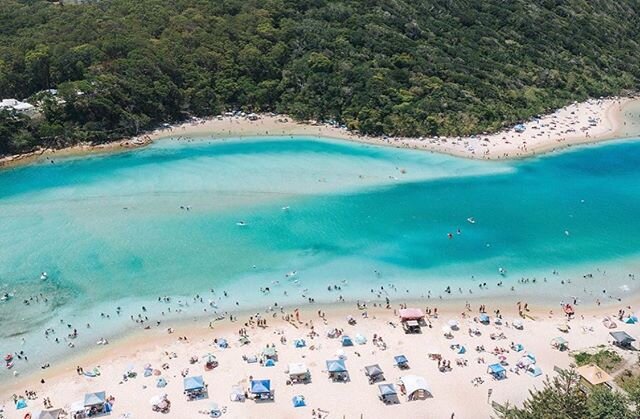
587 122
171 355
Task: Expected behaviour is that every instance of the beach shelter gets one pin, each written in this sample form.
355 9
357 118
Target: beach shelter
592 375
559 343
95 399
359 339
260 387
401 361
497 371
270 353
222 343
298 401
336 366
631 320
483 318
49 414
622 339
534 371
453 324
161 382
517 323
388 393
299 343
524 362
237 395
21 404
76 407
193 383
415 387
346 341
374 372
518 347
462 350
299 372
411 314
244 340
270 363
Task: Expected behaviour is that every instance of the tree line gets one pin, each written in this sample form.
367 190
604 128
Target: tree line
394 67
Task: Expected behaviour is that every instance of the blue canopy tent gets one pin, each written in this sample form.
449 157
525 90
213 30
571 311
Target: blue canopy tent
95 399
193 383
336 366
161 382
534 370
388 393
497 371
484 318
261 389
298 401
194 387
299 343
401 361
346 341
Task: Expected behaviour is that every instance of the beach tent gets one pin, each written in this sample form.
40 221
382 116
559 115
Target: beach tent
76 407
517 323
346 341
336 366
252 359
21 404
270 363
299 343
559 343
260 386
401 361
519 128
411 314
359 339
534 371
237 395
192 384
484 318
222 343
244 340
631 320
270 353
95 399
388 393
49 414
497 371
453 324
161 382
374 372
415 387
622 339
524 362
462 350
298 401
298 371
532 357
518 347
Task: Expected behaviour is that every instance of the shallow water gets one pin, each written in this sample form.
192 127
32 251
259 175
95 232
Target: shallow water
109 230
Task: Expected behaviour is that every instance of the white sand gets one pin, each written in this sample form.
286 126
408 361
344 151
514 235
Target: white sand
453 391
581 123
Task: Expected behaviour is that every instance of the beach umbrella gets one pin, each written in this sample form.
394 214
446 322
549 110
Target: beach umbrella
147 373
298 401
157 372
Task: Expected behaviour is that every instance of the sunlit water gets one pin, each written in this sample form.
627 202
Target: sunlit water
110 231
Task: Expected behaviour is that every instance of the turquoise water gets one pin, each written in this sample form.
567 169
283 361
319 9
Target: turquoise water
109 230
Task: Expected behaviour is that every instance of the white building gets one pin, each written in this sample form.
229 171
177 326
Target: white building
21 107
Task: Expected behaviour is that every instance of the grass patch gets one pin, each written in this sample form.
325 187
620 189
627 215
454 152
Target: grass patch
606 359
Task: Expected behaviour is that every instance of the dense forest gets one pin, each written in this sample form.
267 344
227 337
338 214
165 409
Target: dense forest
396 67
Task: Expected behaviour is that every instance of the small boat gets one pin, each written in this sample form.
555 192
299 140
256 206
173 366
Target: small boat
6 296
241 224
44 276
471 220
285 208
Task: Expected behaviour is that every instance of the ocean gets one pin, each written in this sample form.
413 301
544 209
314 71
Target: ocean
241 222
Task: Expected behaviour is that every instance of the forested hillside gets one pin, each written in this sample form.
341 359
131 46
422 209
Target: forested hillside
398 67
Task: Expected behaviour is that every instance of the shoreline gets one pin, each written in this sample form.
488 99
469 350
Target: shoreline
590 122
